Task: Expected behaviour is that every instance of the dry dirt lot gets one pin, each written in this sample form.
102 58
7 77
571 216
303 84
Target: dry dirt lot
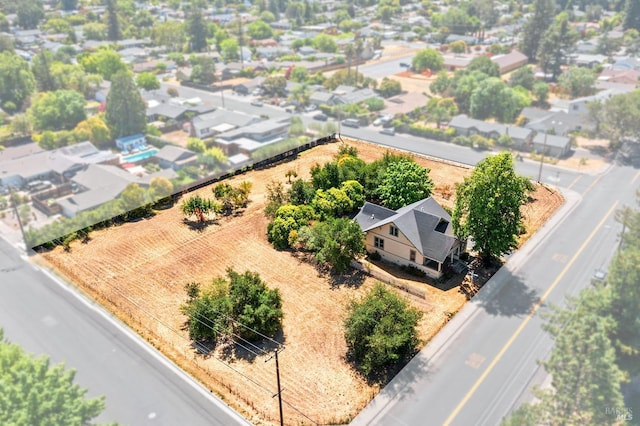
138 271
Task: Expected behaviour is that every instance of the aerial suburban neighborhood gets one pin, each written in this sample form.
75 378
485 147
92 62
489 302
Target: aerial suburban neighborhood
319 212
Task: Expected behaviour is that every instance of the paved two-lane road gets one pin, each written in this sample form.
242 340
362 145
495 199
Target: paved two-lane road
141 386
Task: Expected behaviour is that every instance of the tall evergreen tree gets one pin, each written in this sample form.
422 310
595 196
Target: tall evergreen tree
631 15
125 111
535 27
556 44
113 24
196 28
41 68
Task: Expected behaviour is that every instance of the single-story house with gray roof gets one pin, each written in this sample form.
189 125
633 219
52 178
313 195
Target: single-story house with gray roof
552 145
175 157
418 235
467 126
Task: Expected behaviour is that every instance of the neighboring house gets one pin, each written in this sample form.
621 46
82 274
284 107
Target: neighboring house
587 60
580 105
403 103
628 76
57 165
356 97
456 62
219 121
174 157
558 122
466 126
250 138
248 86
552 145
510 61
419 235
321 98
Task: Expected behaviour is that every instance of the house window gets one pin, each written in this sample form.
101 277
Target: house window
393 231
412 255
378 243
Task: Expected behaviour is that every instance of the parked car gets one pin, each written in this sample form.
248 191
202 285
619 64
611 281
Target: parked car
320 117
310 108
404 65
351 122
257 103
598 276
388 131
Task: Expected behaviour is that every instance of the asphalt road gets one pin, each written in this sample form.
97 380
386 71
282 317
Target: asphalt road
140 385
483 364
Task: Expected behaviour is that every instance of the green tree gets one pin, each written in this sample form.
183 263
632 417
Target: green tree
95 31
125 110
256 309
335 242
170 34
207 310
557 43
41 68
620 117
631 15
485 65
196 145
299 74
488 206
441 109
578 81
389 88
204 71
37 393
523 77
541 91
62 109
493 98
105 62
404 182
29 13
95 130
324 43
196 29
69 4
275 86
427 58
147 81
16 81
160 187
380 330
199 207
282 231
113 21
259 30
537 23
230 49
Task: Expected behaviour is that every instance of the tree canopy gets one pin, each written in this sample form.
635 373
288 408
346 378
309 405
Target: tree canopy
380 330
404 182
36 393
62 109
427 58
16 81
488 205
335 242
125 110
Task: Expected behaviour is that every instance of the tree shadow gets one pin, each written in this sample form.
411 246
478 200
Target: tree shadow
236 348
514 298
352 278
194 225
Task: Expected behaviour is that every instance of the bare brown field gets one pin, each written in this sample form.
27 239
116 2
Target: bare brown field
138 271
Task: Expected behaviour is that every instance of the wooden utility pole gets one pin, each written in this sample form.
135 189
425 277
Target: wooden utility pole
279 393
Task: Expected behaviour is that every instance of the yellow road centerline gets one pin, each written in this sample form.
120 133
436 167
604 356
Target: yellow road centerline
574 181
524 323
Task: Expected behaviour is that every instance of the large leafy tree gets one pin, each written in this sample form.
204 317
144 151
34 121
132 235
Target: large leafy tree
105 62
335 242
620 117
485 65
95 130
199 207
380 330
62 109
427 58
170 34
36 393
147 81
488 206
523 77
29 13
493 98
256 308
578 81
282 231
586 380
16 81
404 182
125 111
535 26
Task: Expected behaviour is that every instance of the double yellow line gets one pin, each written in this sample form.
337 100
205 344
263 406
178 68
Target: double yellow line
524 323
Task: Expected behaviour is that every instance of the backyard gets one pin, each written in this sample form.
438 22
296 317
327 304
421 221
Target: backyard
139 270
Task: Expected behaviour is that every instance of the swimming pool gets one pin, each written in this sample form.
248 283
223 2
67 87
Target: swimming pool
139 156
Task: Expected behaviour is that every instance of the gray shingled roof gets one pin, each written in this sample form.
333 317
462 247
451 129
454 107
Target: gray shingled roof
174 153
417 222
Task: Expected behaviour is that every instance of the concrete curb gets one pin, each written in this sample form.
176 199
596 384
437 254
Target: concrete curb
449 332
